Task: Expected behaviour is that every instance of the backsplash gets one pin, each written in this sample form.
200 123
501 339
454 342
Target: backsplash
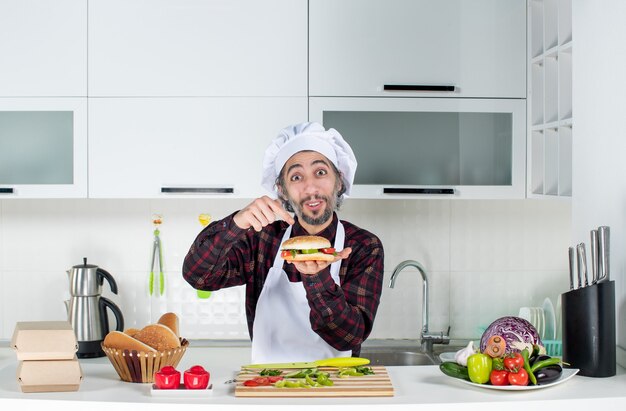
485 259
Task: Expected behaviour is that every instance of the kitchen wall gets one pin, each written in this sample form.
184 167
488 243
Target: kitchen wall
599 172
485 259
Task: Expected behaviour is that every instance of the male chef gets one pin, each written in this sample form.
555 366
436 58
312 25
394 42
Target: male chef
300 311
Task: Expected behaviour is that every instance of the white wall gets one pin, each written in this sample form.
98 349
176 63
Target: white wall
599 147
485 260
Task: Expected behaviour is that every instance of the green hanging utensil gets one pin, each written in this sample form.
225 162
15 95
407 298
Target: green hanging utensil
157 257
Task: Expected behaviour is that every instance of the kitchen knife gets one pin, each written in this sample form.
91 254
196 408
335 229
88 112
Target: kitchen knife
328 362
594 256
582 264
572 267
603 253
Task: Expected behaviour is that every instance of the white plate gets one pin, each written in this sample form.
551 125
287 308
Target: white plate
558 318
447 356
181 392
550 316
566 375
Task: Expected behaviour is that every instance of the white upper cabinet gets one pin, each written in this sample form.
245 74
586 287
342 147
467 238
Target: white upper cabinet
43 45
197 48
183 147
356 47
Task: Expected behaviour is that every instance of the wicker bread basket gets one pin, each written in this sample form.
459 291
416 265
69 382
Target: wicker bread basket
134 366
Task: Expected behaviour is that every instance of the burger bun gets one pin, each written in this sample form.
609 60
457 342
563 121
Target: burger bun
122 341
158 336
170 320
310 257
305 242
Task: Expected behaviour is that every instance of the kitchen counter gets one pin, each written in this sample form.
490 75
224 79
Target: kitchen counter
423 385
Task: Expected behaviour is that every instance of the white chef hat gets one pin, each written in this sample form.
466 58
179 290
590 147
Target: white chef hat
308 136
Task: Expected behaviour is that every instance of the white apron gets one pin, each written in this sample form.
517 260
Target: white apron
282 329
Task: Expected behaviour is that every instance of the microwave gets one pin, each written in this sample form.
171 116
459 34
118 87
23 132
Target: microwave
431 147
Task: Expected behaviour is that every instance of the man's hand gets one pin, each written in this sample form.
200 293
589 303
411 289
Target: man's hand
261 212
314 267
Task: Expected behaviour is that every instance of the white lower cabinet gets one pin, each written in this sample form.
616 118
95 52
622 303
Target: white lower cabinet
43 147
431 147
183 147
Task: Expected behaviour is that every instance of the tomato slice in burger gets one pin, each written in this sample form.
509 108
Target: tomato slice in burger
327 250
285 253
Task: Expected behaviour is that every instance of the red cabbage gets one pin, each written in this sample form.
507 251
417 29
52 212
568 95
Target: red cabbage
514 330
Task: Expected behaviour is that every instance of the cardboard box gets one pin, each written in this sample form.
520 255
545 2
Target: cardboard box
44 340
49 375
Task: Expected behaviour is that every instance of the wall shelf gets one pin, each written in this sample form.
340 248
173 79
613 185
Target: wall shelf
550 49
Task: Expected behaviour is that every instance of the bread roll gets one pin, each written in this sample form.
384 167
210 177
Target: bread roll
131 331
170 320
121 341
159 337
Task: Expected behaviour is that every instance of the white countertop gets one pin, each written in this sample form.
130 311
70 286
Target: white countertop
424 385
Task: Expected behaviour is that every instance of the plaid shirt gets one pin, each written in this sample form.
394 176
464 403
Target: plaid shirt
223 255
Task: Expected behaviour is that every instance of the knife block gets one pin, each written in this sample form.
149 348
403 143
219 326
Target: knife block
588 315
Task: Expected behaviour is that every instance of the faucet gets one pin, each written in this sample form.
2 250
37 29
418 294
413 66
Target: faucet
427 338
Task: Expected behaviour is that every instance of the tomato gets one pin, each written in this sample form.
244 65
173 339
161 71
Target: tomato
327 250
514 362
518 378
196 378
167 378
261 381
479 368
499 377
287 253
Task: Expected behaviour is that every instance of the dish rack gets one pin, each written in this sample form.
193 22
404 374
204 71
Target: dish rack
554 348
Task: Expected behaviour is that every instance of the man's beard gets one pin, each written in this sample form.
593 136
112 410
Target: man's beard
320 219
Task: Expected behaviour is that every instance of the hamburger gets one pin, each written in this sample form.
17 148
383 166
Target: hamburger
307 248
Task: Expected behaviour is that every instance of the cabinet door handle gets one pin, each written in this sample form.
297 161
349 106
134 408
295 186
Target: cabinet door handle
197 190
418 87
6 190
392 190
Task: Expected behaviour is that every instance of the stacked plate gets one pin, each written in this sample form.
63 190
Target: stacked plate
550 320
544 319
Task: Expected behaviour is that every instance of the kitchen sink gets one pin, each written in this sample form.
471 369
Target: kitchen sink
388 353
393 357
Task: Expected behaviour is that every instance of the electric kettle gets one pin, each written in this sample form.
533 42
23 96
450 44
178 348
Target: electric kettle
87 309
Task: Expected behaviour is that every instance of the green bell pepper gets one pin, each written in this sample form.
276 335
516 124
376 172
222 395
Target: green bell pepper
479 368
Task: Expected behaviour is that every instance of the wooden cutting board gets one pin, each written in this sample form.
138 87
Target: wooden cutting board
377 385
